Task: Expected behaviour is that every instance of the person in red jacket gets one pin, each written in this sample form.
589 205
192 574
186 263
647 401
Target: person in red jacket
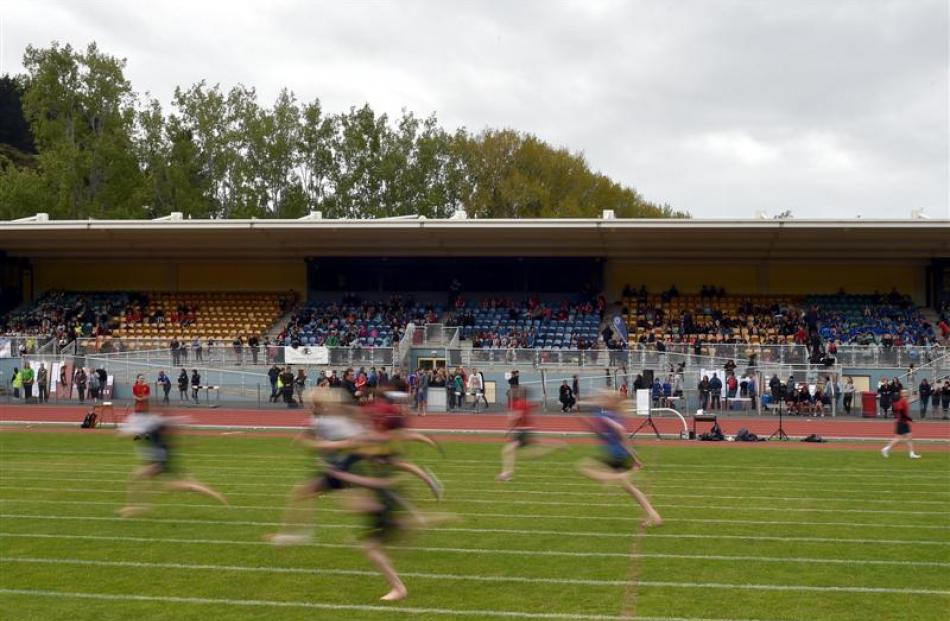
902 414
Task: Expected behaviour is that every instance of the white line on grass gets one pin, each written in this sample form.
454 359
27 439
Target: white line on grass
475 577
353 607
488 466
593 490
475 501
510 531
672 466
308 571
533 516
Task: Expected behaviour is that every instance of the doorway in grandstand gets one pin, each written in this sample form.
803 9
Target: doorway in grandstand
431 363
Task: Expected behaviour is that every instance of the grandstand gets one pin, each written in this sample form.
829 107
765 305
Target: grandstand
538 295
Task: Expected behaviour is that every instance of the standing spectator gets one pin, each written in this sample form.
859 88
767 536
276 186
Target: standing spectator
677 385
753 390
183 385
945 399
64 381
575 387
481 384
103 382
422 391
656 392
26 377
176 353
884 393
140 395
165 383
80 379
196 346
450 391
475 387
923 393
936 393
238 346
255 344
287 386
848 394
94 386
16 382
300 384
208 348
195 384
513 379
830 391
42 383
272 376
732 384
704 389
459 389
566 397
349 383
715 390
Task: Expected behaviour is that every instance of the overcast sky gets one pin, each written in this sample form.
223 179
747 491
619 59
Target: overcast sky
721 108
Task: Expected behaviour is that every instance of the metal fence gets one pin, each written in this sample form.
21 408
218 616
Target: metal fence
15 345
224 357
649 357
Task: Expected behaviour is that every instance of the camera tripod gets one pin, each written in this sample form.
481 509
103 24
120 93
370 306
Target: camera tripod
647 423
780 432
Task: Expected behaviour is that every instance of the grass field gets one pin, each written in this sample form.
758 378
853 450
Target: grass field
751 533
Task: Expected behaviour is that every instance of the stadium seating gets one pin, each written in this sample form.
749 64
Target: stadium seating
528 324
850 318
219 316
353 321
773 319
150 319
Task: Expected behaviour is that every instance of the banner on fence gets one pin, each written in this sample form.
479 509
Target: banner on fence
307 355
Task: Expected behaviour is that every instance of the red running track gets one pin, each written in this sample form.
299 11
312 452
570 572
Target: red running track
263 419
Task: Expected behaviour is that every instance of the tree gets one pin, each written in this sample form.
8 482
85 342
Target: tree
81 112
103 152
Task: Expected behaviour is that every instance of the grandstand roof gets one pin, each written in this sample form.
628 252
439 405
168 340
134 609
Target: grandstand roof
609 238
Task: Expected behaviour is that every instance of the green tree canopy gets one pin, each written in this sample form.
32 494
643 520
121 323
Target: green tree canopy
104 151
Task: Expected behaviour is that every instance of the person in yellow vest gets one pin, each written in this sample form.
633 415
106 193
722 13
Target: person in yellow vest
17 383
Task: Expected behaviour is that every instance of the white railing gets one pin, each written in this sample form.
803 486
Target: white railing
230 356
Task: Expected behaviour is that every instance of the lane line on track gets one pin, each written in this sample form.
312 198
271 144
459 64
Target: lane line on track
489 465
464 501
673 466
352 607
510 531
533 516
307 571
595 490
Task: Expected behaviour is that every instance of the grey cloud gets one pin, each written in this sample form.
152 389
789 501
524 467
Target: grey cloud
719 107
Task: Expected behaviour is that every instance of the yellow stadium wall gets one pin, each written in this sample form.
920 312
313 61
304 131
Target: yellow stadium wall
768 278
190 275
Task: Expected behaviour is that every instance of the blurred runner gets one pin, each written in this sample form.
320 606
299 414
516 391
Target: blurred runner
616 464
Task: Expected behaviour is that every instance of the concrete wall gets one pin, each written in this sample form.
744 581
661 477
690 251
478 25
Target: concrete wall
162 275
768 278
